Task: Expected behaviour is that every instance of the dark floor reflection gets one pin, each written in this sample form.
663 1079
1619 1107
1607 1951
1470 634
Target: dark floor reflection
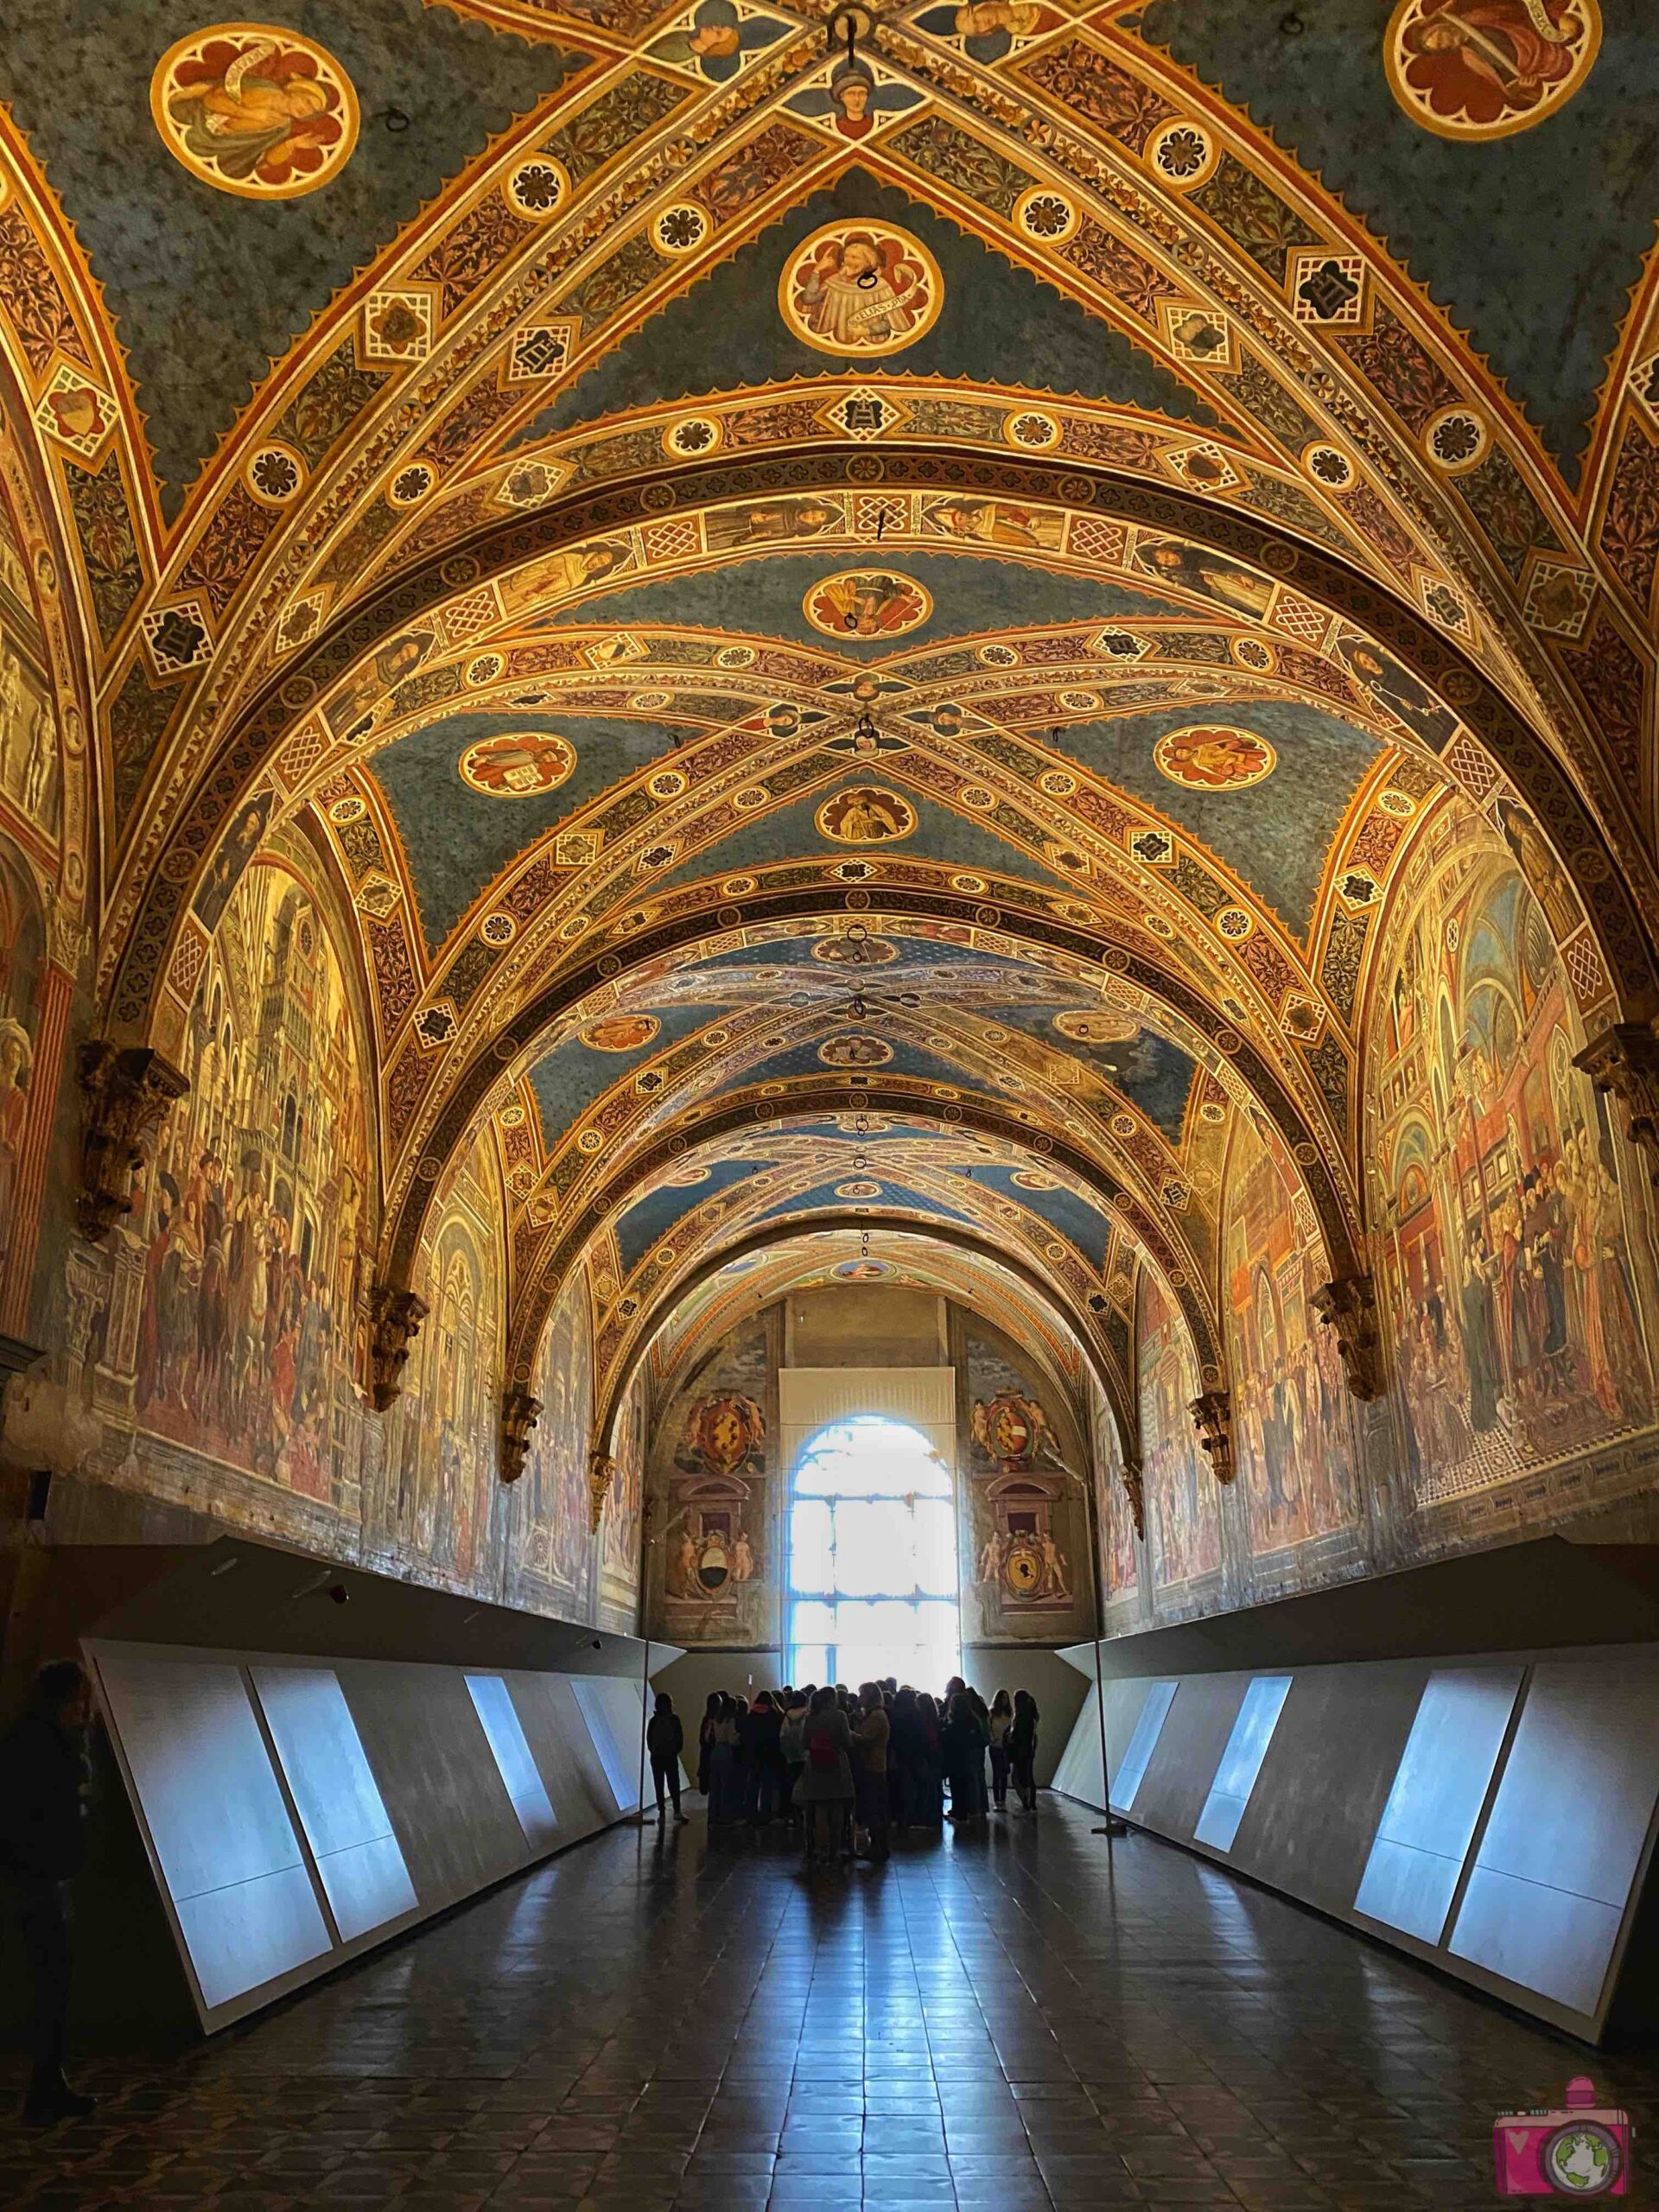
1001 2022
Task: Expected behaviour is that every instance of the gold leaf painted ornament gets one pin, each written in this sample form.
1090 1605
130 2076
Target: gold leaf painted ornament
254 110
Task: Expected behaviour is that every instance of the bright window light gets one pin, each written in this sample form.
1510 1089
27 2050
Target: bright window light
873 1558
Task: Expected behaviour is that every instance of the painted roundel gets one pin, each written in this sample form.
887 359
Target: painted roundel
620 1033
256 110
1213 757
517 764
860 289
867 814
1487 68
867 603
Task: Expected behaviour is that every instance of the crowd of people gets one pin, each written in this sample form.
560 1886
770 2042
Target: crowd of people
849 1771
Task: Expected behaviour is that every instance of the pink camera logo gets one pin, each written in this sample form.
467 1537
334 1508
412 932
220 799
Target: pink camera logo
1584 2150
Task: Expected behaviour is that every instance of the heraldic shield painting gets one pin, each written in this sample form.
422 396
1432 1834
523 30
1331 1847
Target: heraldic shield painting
987 678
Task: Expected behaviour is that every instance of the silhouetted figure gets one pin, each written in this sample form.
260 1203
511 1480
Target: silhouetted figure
825 1791
43 1792
1001 1721
665 1740
871 1734
1022 1748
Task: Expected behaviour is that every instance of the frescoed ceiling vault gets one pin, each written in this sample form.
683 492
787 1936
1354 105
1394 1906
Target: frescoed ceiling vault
863 609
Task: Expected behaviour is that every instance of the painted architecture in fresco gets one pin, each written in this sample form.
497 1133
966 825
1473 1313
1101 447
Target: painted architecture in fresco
252 1245
444 1505
1293 1434
1511 1236
1183 1510
1025 1568
715 1557
553 1556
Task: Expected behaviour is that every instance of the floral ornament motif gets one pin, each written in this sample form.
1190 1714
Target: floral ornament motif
537 188
679 229
254 110
274 475
1488 68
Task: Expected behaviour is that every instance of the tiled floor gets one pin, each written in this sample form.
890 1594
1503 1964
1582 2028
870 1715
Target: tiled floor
1009 2022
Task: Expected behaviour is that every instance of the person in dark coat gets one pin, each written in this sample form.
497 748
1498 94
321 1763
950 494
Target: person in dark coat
43 1793
760 1734
665 1740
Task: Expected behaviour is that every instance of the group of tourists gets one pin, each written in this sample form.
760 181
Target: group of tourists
848 1770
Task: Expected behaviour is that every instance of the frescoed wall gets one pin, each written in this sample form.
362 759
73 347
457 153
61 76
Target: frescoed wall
553 1552
1022 1518
443 1503
253 1238
22 957
621 1529
1511 1229
1183 1513
1120 1557
716 1556
1293 1433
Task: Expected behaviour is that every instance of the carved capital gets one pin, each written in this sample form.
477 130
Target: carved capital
1349 1306
394 1319
519 1414
1134 1490
601 1472
1212 1417
128 1089
1624 1060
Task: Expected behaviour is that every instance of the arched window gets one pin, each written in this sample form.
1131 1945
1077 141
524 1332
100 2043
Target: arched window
871 1558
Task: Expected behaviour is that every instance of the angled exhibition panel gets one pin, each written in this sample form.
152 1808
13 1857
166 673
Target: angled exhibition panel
297 1807
1491 1811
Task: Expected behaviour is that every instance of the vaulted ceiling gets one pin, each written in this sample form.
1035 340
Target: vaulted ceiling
860 634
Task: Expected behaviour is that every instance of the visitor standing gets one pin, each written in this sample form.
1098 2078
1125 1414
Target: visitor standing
44 1787
1001 1721
871 1738
1022 1748
665 1740
826 1784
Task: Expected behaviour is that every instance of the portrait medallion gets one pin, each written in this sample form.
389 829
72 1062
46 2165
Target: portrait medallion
860 1187
866 815
256 110
855 1051
860 290
517 764
1487 68
861 1271
854 948
867 603
620 1033
1213 757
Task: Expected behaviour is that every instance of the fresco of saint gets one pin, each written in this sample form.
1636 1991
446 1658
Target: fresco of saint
260 112
1183 1517
1485 68
860 290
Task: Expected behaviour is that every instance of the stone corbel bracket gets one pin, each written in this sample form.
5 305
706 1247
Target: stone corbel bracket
1624 1060
396 1317
129 1090
601 1473
1212 1417
519 1414
1134 1490
1349 1306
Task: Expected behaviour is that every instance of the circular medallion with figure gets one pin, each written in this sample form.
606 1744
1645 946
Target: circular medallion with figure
867 603
254 111
620 1033
869 814
1213 757
1487 68
860 289
517 764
